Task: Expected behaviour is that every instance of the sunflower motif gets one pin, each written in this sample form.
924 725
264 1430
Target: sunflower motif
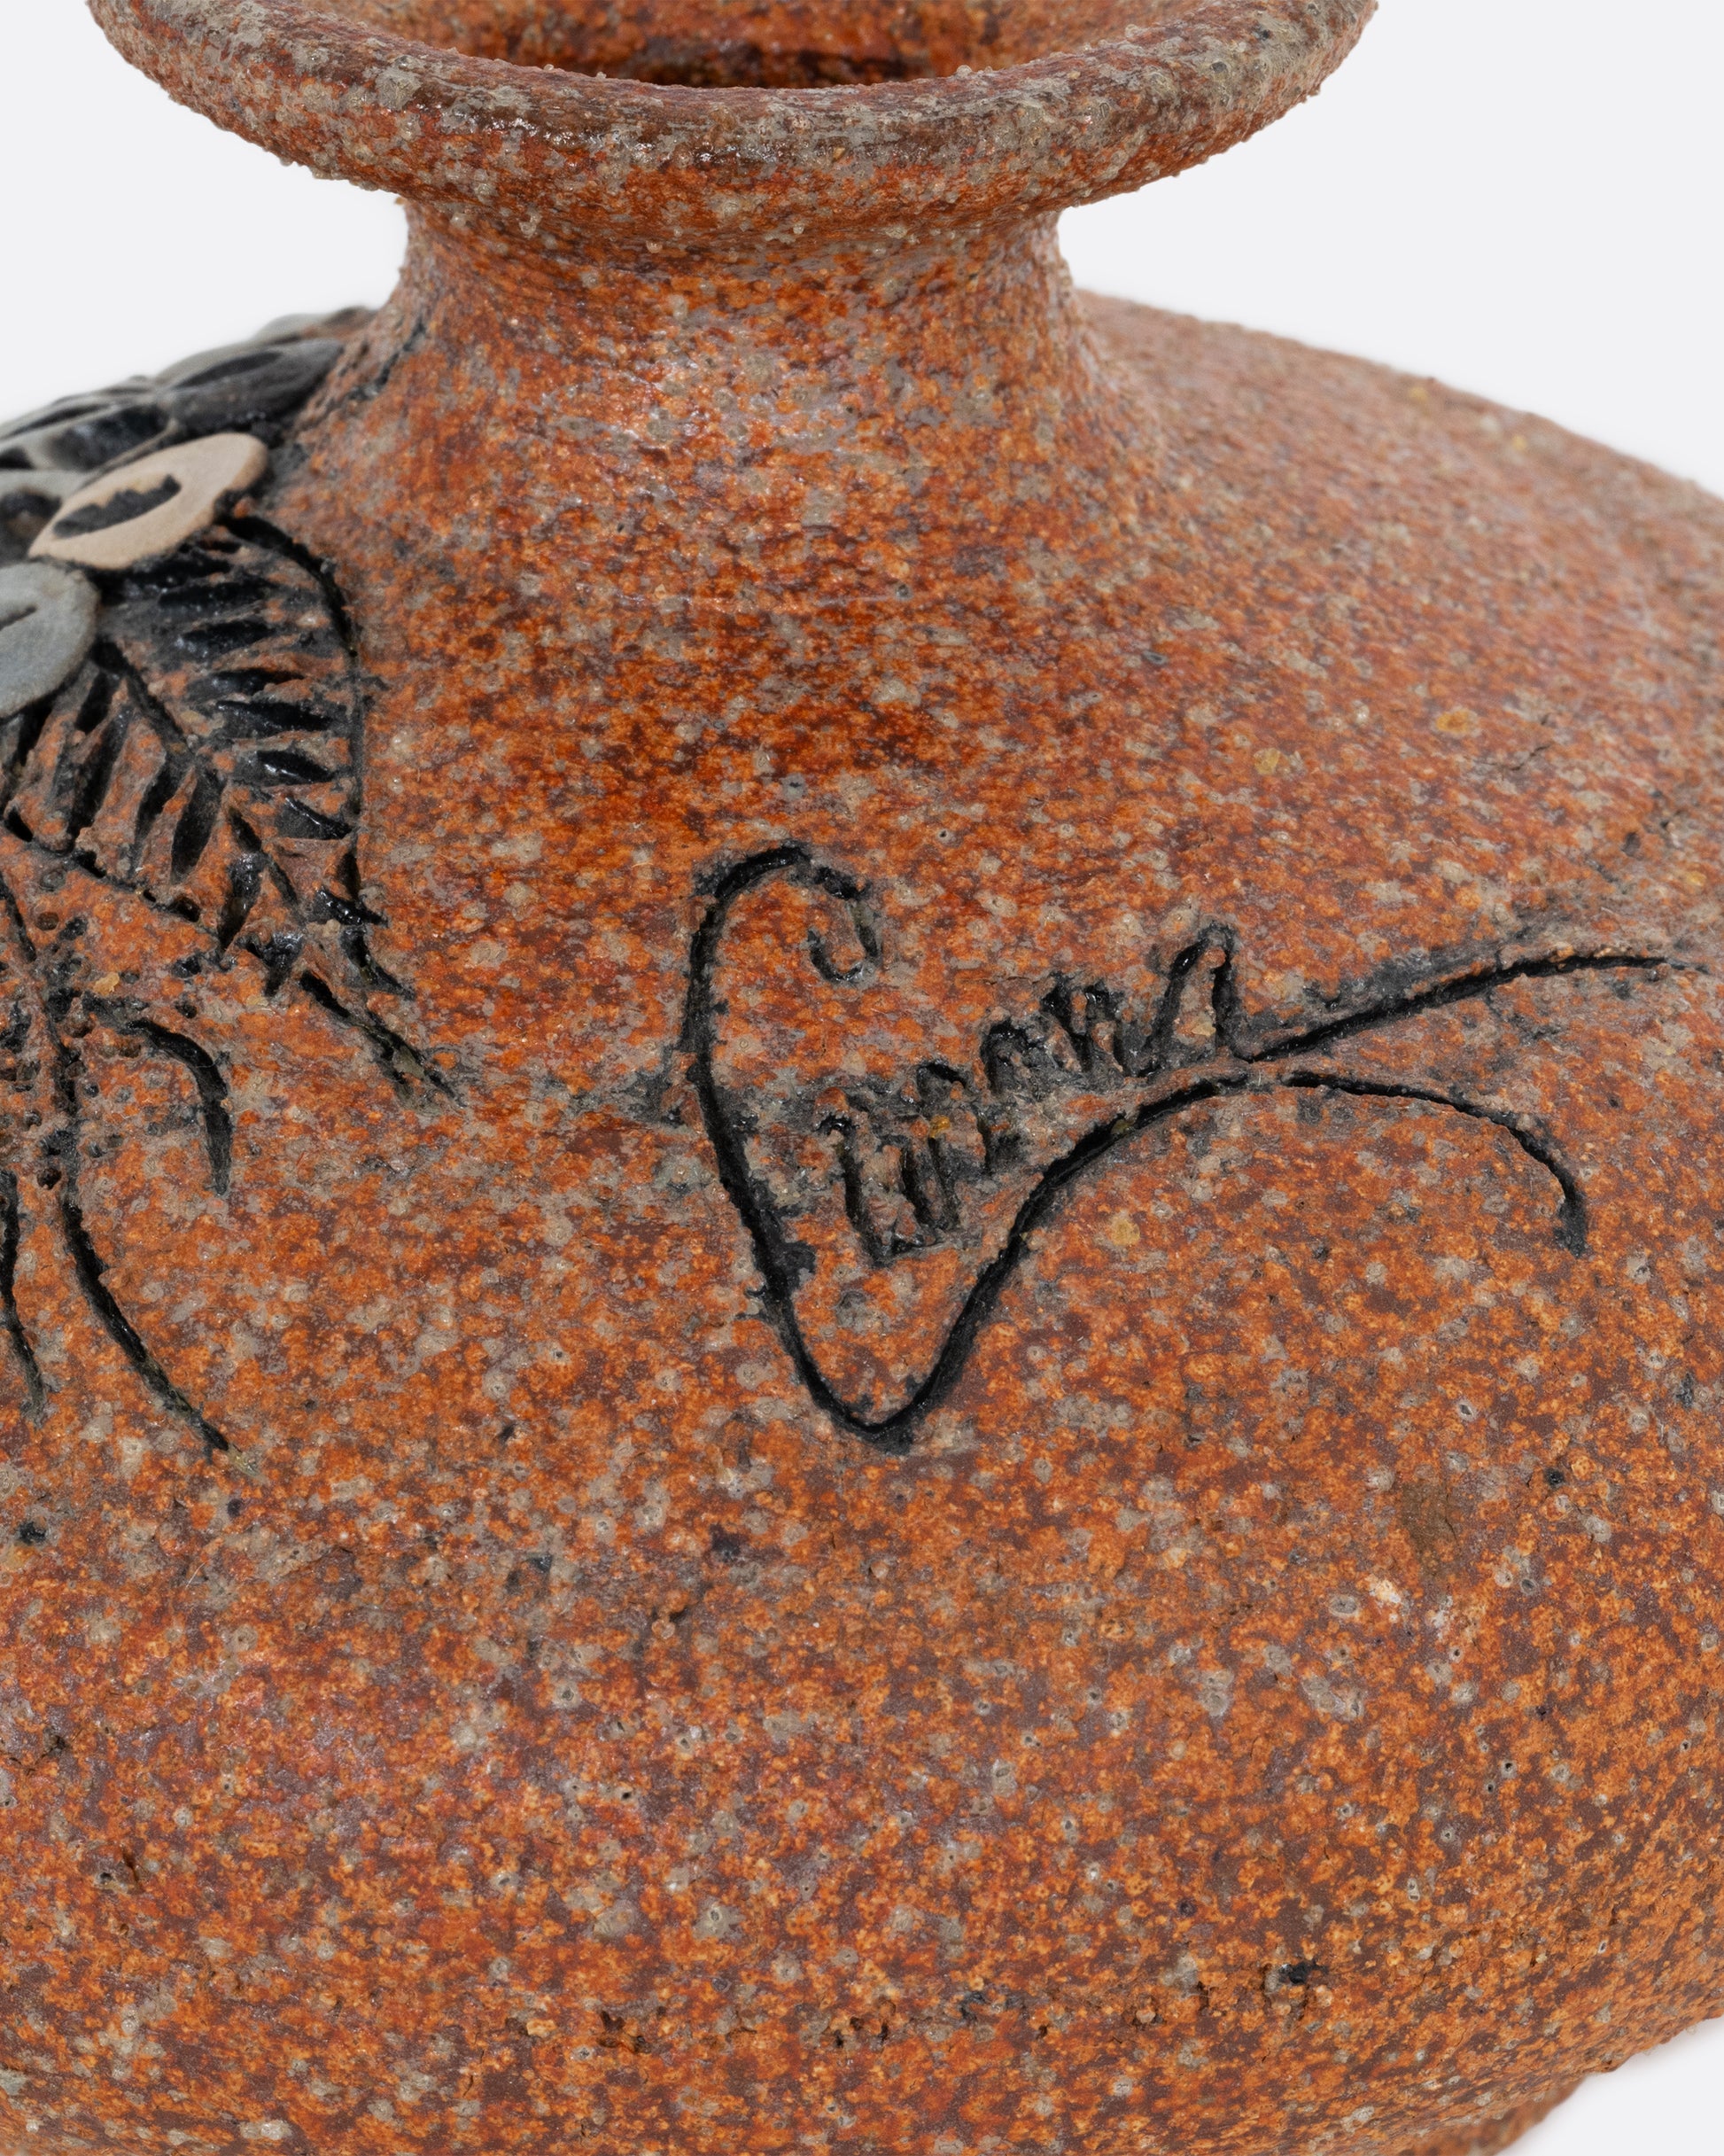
182 716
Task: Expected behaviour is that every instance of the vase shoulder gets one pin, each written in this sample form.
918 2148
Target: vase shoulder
1284 394
753 1257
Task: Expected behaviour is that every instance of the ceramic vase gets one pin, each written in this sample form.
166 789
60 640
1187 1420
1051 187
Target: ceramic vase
860 1223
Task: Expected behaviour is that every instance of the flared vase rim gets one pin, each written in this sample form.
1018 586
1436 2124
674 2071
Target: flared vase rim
545 154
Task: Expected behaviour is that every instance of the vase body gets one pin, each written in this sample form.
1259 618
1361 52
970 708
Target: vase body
903 1335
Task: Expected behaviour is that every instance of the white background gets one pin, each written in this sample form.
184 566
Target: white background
1521 196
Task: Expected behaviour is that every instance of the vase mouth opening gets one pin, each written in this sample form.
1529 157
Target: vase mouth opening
738 124
760 44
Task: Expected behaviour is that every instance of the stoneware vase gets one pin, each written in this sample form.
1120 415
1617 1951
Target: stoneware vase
861 1218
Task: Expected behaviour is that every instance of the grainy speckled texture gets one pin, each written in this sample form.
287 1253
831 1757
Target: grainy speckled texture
982 1412
1114 95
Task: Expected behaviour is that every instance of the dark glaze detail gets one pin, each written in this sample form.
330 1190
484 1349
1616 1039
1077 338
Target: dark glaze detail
212 1094
253 389
88 1263
60 1153
19 1339
1237 1061
397 1058
207 760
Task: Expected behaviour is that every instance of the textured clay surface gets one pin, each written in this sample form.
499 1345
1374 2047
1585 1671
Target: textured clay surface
863 1249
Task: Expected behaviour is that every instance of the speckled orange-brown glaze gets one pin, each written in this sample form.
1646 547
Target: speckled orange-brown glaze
1000 1433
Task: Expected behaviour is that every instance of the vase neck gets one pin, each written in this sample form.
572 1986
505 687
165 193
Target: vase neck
842 429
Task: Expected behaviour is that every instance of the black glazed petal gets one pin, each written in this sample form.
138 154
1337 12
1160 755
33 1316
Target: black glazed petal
255 388
93 433
244 391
